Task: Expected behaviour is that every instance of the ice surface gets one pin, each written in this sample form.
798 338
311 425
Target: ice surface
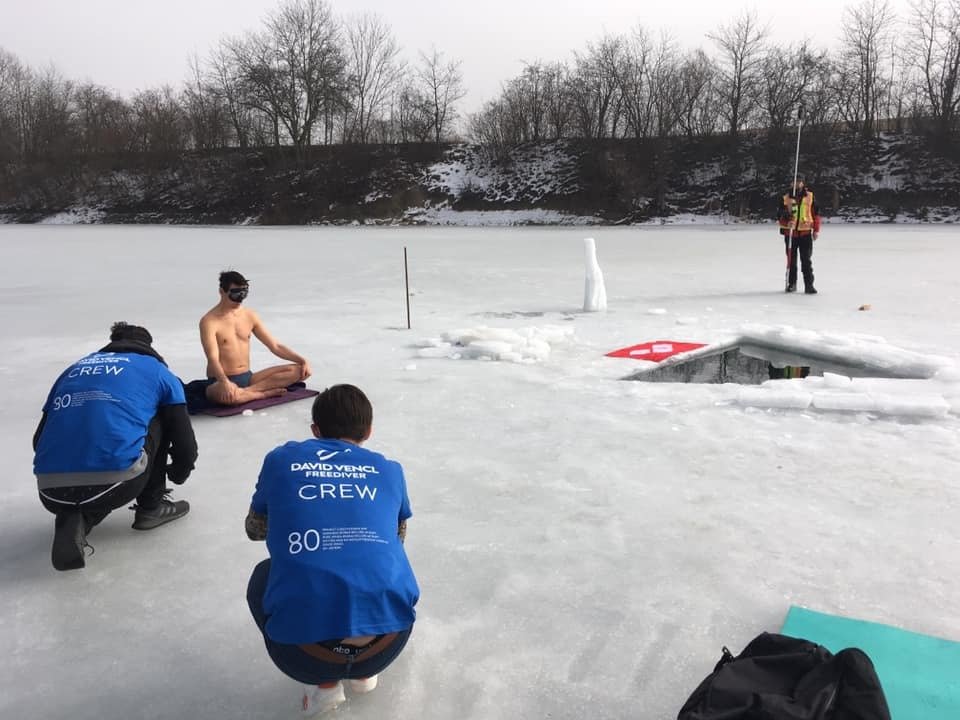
585 546
783 398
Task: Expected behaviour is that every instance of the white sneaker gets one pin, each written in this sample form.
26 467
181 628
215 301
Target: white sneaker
317 700
363 685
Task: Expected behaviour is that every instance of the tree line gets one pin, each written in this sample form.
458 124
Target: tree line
307 76
304 77
887 72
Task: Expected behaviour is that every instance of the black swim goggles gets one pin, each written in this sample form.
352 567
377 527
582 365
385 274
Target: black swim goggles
237 294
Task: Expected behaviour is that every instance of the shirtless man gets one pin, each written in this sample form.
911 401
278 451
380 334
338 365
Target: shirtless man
225 333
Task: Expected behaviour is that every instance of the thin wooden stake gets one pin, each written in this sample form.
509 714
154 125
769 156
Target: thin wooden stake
406 282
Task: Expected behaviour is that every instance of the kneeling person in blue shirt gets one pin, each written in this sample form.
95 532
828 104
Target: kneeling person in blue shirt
109 424
335 601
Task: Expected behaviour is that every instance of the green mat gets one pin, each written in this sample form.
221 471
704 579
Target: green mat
920 674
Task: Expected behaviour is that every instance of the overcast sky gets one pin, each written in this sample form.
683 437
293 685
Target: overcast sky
132 44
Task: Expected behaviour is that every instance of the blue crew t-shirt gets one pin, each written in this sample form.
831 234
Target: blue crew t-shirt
99 411
338 568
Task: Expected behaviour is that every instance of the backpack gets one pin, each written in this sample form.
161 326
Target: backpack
777 677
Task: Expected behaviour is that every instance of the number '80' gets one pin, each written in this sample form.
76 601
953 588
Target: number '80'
309 541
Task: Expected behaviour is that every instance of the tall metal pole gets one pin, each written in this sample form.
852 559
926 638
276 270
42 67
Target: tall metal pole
793 189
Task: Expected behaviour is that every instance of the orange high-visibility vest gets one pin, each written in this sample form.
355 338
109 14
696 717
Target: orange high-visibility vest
801 214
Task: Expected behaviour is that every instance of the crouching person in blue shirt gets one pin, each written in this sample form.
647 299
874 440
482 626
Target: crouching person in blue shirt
109 425
335 601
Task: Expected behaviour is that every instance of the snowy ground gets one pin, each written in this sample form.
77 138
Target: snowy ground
585 546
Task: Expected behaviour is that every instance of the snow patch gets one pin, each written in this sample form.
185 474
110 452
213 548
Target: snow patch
75 216
520 345
531 173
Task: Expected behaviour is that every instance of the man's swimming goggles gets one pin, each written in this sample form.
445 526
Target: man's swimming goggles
237 294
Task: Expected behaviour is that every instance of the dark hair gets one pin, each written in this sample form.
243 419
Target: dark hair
343 412
231 277
120 331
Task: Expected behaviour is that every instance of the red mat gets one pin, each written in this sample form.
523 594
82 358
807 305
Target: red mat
655 351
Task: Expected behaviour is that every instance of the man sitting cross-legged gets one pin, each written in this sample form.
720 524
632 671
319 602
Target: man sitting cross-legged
225 333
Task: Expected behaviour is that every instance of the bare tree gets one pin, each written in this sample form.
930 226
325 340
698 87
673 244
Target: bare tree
900 89
522 107
821 102
8 61
21 84
490 128
532 87
294 70
556 93
787 76
9 130
742 46
374 71
595 92
665 86
159 121
206 113
442 84
43 109
695 97
260 76
226 83
413 113
103 120
36 115
933 44
533 106
866 32
512 112
633 75
647 77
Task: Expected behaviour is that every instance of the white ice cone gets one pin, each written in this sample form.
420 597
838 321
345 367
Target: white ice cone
595 292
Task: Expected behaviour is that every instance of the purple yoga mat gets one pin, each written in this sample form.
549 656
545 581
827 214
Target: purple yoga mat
289 396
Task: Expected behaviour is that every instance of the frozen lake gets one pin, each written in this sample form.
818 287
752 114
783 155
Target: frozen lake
584 546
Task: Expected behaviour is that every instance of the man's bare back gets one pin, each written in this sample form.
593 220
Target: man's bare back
225 332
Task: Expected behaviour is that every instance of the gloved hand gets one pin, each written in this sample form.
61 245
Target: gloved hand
176 475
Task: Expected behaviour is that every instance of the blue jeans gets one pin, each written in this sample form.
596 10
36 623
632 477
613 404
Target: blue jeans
300 665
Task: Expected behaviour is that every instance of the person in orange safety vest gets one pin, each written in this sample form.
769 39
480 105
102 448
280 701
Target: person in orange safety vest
799 220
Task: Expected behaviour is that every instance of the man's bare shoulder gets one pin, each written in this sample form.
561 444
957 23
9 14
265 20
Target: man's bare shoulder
213 316
217 317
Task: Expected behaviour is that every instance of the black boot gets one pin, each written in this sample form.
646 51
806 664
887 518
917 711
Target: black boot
164 512
810 290
69 539
791 280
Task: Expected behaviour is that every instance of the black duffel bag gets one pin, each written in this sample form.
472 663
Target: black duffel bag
777 677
